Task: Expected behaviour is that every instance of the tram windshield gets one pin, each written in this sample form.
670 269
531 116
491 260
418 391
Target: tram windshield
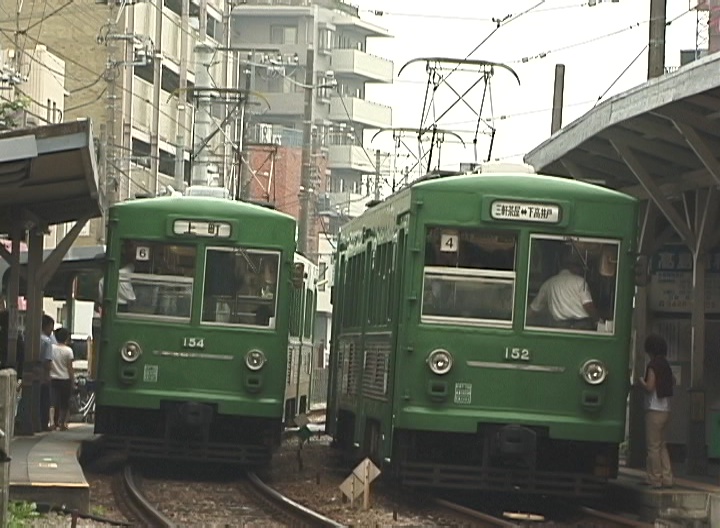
155 280
469 276
572 284
240 286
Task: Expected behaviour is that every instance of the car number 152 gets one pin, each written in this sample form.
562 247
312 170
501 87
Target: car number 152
517 354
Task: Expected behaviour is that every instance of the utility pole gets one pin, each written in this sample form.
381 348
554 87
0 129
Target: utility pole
656 49
203 121
713 26
557 106
377 175
157 82
111 185
305 176
244 168
182 97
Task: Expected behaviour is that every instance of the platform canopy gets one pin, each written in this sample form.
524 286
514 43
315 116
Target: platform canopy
658 138
48 174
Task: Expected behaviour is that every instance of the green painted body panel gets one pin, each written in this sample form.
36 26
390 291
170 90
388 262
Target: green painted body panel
557 399
166 371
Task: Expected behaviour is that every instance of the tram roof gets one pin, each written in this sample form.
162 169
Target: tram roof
200 205
661 134
48 174
519 185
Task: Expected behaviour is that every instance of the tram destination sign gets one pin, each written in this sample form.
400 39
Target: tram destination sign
202 229
525 212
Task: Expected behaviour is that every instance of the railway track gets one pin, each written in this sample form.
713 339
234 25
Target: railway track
296 514
581 517
248 497
134 504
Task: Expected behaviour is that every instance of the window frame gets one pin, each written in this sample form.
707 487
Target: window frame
231 249
167 279
477 275
580 239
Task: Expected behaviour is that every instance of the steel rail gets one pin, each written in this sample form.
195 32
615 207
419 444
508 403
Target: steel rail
297 510
149 515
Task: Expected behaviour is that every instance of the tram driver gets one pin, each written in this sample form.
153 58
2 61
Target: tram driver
566 298
125 291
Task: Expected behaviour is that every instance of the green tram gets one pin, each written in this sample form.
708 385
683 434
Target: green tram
303 305
193 361
448 366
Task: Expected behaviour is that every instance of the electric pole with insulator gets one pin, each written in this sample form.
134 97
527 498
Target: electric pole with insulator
305 176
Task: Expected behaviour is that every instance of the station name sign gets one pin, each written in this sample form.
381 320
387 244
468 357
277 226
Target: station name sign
202 229
525 212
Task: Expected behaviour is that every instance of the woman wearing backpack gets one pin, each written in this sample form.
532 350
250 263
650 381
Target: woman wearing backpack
658 383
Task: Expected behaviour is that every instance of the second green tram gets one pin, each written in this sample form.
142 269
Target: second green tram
450 367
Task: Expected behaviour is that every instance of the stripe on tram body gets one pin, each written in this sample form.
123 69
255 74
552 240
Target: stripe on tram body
515 366
193 355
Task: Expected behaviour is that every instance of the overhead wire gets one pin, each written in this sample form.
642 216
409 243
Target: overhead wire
633 26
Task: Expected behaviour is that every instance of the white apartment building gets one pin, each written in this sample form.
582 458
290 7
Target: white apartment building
274 36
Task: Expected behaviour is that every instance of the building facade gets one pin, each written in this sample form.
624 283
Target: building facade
130 68
274 37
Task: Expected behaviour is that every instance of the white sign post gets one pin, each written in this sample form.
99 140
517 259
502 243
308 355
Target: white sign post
358 483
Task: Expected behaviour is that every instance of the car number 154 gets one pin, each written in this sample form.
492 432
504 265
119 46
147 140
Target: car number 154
193 342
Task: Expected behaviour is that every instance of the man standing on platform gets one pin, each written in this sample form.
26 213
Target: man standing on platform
46 358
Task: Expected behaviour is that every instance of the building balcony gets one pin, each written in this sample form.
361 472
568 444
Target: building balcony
362 66
350 158
356 110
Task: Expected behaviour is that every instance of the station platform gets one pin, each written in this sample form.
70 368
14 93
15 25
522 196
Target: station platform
692 501
44 468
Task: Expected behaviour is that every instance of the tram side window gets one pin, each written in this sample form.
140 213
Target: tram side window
240 286
155 279
572 284
469 276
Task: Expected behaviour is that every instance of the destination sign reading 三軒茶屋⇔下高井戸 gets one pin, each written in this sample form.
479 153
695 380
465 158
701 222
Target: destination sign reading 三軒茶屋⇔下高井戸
202 229
525 212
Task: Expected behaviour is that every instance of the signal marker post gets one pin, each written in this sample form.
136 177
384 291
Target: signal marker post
358 483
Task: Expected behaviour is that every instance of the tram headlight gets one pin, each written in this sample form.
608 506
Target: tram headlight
593 372
255 360
130 351
440 361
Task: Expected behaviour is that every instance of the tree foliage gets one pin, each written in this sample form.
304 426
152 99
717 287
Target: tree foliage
11 112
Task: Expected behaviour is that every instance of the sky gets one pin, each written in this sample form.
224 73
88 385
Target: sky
555 31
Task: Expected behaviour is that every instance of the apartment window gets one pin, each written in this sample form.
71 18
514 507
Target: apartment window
167 163
140 152
283 34
214 28
146 73
176 7
326 39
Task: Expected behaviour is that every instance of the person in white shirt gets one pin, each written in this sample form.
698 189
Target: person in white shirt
567 299
125 291
62 377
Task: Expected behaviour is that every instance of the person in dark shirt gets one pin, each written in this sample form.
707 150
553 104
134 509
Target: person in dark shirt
658 384
19 348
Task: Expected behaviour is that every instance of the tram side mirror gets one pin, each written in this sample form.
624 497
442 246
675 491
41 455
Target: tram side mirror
298 275
641 270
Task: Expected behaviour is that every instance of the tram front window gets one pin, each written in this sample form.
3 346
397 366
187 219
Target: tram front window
155 280
240 287
469 276
572 284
